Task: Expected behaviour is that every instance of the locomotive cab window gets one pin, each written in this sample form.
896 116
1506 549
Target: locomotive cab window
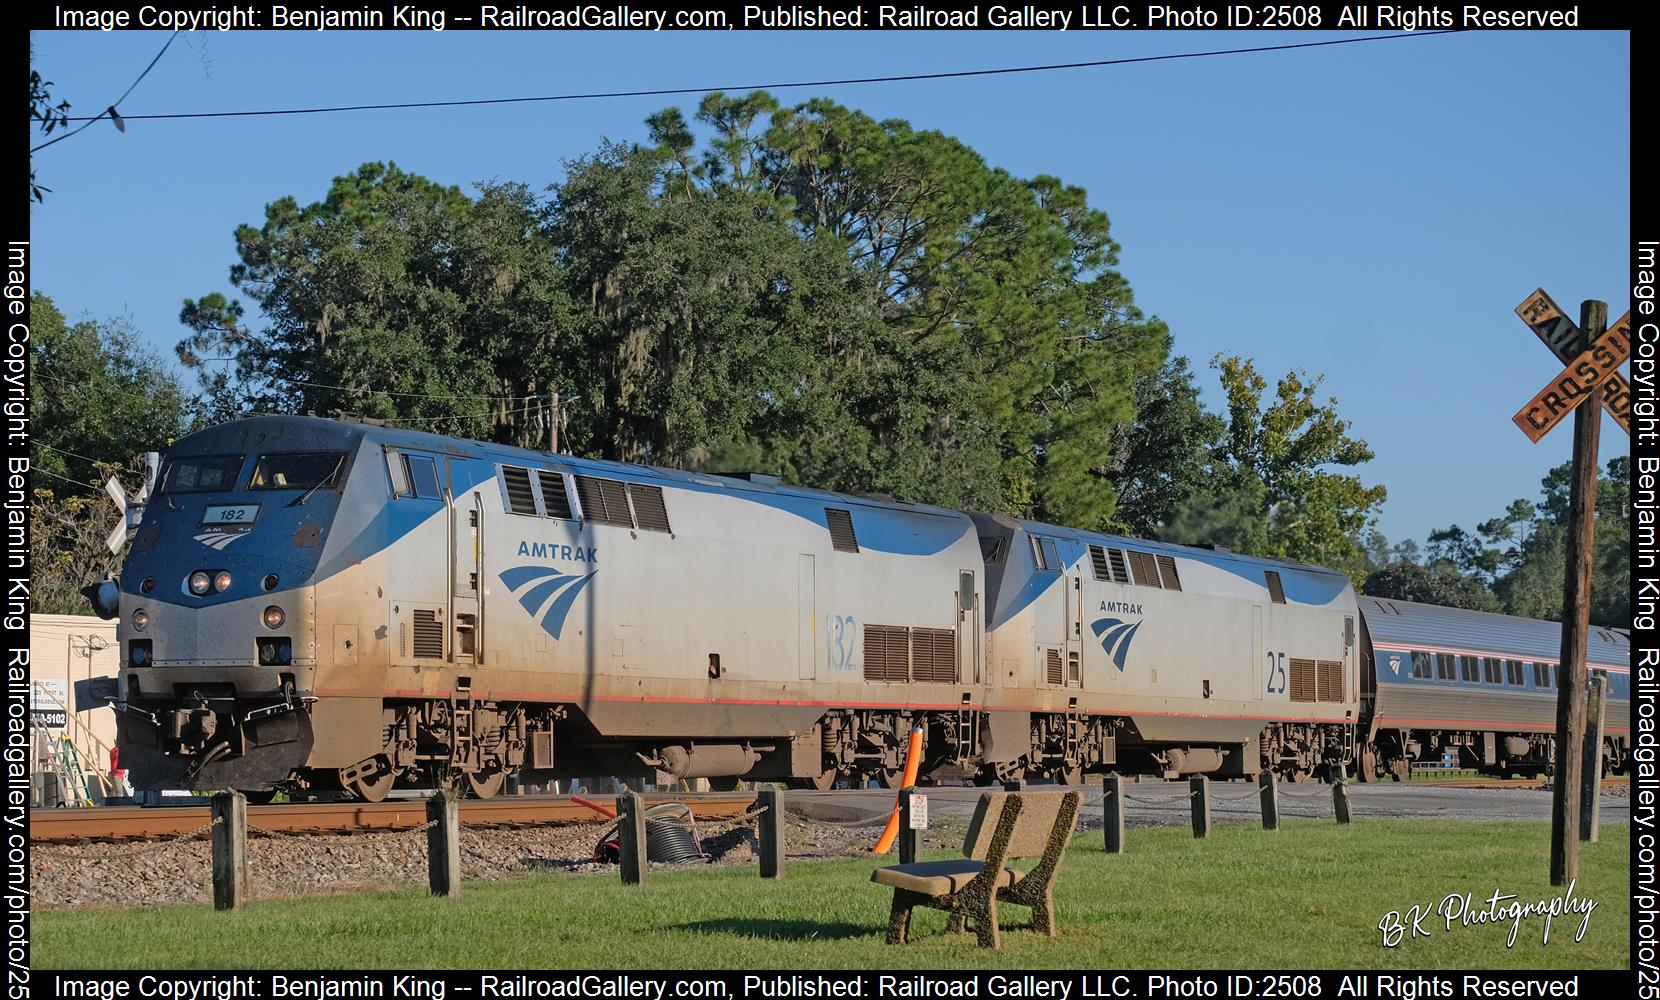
413 476
1044 554
297 471
201 473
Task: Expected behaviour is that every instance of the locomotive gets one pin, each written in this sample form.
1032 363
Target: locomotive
327 605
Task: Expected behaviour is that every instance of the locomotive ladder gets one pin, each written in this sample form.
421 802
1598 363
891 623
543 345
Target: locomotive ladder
965 731
461 729
1074 727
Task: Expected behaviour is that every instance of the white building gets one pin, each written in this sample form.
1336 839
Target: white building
64 649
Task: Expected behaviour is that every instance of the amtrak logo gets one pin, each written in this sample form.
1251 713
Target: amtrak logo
1115 635
1395 664
217 540
546 593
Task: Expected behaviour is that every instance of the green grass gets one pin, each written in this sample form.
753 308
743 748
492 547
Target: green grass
1309 896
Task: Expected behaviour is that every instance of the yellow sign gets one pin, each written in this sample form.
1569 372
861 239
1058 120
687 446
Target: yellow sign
1576 382
1559 333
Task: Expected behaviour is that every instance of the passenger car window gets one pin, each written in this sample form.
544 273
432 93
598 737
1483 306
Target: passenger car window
201 473
1420 664
298 471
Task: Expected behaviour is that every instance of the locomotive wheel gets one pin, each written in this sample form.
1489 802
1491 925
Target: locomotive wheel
821 783
485 784
889 777
260 798
1400 769
1073 775
370 788
1368 766
996 774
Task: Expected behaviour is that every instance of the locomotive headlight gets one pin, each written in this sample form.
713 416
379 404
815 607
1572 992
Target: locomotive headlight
140 619
199 583
274 617
221 581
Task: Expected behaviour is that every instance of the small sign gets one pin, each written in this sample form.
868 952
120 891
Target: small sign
230 515
1559 333
51 718
1576 381
919 811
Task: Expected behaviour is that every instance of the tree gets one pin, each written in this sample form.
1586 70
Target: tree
1270 489
1440 583
98 399
1164 455
45 115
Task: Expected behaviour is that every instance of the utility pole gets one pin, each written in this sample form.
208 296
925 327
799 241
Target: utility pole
553 424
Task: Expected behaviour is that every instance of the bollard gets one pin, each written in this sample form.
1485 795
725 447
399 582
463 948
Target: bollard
444 843
1270 800
230 850
1201 806
1112 812
770 831
631 837
907 836
1340 800
1590 775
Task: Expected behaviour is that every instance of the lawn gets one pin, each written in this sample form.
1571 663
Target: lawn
1308 896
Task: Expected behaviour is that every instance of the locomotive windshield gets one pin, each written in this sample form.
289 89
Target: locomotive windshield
202 473
301 471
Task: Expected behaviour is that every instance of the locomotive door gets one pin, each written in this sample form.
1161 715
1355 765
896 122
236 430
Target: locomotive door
968 629
1072 595
466 572
806 598
1258 674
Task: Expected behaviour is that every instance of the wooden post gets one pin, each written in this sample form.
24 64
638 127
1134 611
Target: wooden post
770 831
907 836
1201 806
1270 800
1576 617
230 850
1112 812
1340 800
1590 782
444 843
631 836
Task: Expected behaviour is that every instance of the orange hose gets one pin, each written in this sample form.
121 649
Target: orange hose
595 806
913 764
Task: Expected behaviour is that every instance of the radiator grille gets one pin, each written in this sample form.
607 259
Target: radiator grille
1302 680
934 655
429 634
1276 592
1052 661
555 503
604 501
1167 570
1120 570
520 500
1331 680
1146 571
649 511
887 653
1098 559
841 529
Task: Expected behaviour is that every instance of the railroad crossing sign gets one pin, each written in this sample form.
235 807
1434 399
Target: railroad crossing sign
1595 366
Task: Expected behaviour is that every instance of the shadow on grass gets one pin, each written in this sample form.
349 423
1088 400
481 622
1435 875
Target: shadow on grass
783 930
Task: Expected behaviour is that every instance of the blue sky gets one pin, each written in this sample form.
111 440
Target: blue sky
1368 212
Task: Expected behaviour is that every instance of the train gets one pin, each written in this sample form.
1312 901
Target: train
334 606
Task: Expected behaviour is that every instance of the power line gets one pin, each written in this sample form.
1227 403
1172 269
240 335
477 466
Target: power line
413 395
110 112
66 479
65 451
842 82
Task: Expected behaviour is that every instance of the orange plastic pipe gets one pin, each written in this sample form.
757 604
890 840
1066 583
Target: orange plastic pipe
913 764
595 806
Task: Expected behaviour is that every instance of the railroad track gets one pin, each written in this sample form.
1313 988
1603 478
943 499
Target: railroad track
1497 782
118 823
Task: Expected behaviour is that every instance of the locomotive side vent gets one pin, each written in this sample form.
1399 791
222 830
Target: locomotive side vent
604 501
1098 559
649 511
520 500
1120 569
429 634
1167 570
1146 571
1302 680
934 655
1276 591
1330 680
1053 665
555 502
887 653
840 523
